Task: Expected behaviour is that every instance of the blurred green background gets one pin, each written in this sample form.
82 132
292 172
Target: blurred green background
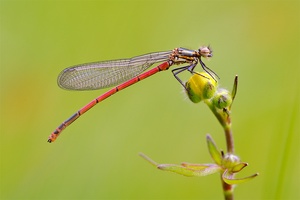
97 157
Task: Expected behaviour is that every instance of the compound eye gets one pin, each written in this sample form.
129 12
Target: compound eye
205 52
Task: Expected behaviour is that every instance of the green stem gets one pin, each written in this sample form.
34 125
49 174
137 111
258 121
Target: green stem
228 189
223 117
229 139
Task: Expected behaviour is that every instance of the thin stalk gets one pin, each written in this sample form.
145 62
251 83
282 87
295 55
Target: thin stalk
229 139
227 190
223 117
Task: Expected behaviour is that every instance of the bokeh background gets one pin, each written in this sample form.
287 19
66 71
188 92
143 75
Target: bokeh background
97 157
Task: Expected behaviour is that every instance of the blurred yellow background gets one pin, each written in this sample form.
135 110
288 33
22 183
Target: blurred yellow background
97 156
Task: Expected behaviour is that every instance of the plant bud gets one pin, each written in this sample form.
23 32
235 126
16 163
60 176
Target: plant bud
200 86
230 160
222 98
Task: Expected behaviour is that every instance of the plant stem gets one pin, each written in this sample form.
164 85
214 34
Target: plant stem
227 190
229 138
223 117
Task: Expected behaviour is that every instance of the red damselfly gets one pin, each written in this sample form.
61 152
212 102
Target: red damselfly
125 72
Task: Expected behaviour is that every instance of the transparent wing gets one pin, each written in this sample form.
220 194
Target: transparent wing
97 75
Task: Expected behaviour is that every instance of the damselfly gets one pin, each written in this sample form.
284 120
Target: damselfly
124 73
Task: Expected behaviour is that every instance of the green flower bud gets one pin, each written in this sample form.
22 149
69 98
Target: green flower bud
222 98
230 160
200 86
